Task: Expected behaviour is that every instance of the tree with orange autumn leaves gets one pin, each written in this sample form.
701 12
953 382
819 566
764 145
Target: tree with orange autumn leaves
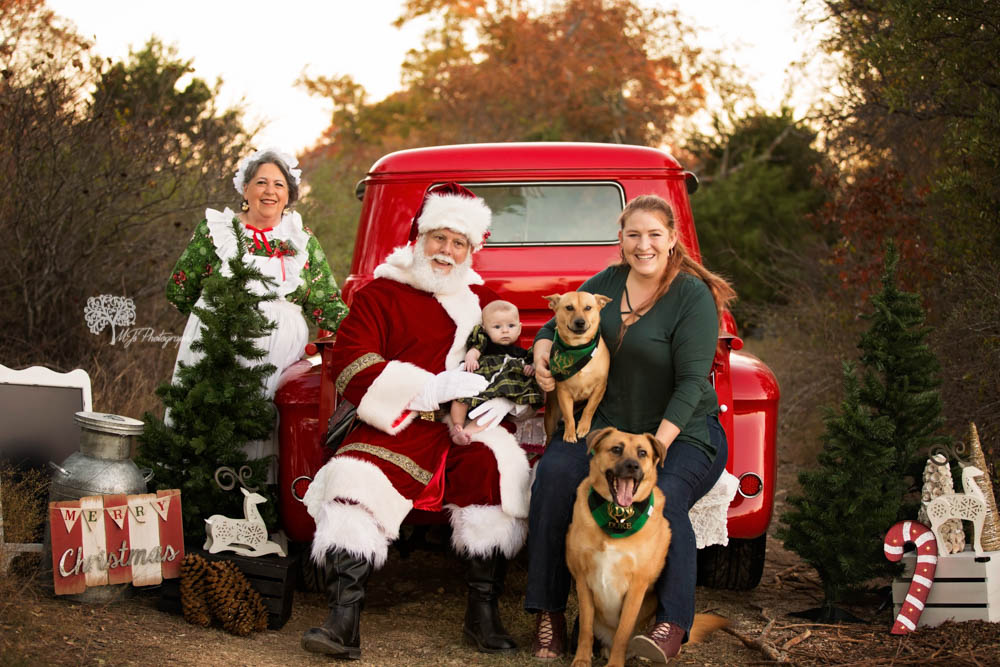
587 70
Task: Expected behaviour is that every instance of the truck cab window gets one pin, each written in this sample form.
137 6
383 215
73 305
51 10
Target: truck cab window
552 213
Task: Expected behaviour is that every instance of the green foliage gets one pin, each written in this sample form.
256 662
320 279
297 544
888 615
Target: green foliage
923 92
757 193
147 87
847 504
218 403
106 166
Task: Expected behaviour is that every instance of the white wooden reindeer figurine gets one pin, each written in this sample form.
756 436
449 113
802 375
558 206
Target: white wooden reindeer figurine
246 536
968 506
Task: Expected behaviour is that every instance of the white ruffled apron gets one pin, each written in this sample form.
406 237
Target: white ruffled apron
284 345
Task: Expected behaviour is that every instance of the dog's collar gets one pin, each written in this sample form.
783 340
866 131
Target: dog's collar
566 360
619 521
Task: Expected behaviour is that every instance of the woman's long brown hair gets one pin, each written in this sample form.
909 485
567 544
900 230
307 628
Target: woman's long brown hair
679 260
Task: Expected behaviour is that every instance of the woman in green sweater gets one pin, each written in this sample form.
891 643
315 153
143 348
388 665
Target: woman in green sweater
662 327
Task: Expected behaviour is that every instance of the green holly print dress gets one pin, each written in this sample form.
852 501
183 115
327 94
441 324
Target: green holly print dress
289 254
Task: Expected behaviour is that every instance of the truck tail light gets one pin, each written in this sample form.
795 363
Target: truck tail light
750 485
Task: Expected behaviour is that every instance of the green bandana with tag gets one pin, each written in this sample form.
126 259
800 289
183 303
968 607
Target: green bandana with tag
565 360
617 521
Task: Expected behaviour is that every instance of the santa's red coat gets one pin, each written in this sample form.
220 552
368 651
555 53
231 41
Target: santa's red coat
394 340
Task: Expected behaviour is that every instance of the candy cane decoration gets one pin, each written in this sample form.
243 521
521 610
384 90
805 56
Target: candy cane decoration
923 574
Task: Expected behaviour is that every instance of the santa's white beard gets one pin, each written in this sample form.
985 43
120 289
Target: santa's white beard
425 276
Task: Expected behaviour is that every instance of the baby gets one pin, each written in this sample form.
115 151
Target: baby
495 354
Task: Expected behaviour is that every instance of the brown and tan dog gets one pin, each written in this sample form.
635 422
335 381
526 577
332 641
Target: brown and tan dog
615 566
578 322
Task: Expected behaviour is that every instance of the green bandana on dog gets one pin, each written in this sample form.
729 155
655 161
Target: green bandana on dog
565 360
617 521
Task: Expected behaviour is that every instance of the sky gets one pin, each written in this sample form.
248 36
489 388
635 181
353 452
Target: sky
260 48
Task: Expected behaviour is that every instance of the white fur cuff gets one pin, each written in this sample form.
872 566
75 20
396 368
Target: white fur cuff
513 466
359 481
349 528
480 530
385 402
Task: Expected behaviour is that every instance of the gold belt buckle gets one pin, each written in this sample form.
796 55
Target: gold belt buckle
427 415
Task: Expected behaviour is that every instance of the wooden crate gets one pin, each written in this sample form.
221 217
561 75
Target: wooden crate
966 588
272 576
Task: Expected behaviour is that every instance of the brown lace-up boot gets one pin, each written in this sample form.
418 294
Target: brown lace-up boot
550 636
661 644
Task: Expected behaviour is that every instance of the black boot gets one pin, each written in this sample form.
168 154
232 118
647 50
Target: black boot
344 578
482 617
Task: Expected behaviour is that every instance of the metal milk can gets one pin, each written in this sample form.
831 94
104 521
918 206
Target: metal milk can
102 466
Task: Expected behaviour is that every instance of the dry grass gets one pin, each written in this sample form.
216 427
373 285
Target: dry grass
24 503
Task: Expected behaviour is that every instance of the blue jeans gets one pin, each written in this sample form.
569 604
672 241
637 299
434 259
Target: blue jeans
686 476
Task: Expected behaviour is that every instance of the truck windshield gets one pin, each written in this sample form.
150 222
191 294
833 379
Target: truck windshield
552 213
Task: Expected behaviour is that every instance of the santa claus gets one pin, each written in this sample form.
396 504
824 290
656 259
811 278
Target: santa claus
397 358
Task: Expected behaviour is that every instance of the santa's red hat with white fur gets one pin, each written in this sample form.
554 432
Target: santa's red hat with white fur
452 206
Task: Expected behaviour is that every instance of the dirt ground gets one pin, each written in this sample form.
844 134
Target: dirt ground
414 616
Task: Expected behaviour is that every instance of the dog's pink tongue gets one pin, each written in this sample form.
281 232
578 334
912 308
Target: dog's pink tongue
623 492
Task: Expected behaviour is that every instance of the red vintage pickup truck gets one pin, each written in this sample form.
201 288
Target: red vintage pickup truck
555 207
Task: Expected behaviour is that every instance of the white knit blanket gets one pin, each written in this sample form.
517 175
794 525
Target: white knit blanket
708 516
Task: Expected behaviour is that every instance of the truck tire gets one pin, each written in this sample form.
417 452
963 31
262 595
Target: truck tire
737 566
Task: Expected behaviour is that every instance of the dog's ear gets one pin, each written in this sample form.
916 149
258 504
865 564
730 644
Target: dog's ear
553 300
658 447
595 437
601 300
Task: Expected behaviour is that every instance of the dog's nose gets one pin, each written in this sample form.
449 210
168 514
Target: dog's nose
580 323
629 468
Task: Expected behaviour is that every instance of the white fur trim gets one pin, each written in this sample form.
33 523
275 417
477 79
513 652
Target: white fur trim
480 530
514 469
400 258
360 481
464 310
390 393
349 528
465 215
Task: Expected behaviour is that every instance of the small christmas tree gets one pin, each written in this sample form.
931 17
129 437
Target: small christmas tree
902 381
839 522
217 404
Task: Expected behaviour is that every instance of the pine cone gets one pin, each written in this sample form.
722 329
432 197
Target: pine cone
252 614
220 592
234 601
194 570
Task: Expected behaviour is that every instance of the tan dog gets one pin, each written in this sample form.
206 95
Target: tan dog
578 322
614 574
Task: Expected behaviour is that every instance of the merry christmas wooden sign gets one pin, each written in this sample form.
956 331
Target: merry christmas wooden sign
116 539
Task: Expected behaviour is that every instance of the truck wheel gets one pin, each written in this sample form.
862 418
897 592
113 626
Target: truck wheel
737 566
